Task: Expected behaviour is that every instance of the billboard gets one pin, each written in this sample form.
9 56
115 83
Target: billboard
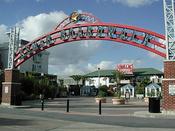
125 68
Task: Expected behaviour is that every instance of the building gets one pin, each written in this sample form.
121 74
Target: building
4 54
37 63
68 81
128 89
152 90
105 77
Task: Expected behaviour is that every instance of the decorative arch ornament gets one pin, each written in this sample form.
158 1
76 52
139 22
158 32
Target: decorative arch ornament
85 26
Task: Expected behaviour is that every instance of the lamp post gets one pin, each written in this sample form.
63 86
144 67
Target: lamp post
98 77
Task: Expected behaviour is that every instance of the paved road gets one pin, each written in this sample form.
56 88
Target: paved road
33 119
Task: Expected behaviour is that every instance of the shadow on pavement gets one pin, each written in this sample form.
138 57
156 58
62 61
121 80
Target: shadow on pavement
17 122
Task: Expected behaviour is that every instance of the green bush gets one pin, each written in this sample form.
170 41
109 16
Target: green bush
117 94
140 90
103 88
102 94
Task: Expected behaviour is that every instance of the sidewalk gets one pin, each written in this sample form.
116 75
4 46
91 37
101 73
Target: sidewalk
146 114
87 107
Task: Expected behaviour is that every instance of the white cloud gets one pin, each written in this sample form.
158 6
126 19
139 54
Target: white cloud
3 36
102 65
72 58
72 69
66 70
73 53
131 3
34 26
135 62
135 3
106 65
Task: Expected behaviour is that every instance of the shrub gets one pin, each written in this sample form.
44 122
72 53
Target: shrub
117 94
101 94
103 88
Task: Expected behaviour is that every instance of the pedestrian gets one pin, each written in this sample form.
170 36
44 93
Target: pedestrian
127 96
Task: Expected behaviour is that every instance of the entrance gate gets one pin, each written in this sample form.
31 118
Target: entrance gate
85 26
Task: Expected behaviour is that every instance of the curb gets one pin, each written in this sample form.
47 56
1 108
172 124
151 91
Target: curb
146 114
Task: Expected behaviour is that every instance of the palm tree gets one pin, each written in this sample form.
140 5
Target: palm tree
118 76
61 83
83 78
141 86
76 78
44 83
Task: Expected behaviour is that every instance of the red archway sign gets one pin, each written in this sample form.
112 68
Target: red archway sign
85 26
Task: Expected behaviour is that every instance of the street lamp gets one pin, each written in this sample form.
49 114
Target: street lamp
98 77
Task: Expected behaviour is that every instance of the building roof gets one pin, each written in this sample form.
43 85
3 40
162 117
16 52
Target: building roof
147 71
137 71
153 86
128 86
102 73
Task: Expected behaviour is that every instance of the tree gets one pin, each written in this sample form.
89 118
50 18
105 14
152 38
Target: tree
117 76
34 84
44 84
61 82
83 78
76 78
27 84
141 86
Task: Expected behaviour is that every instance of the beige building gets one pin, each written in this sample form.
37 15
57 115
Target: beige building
37 63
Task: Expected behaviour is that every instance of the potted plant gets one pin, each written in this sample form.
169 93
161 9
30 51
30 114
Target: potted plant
101 96
117 99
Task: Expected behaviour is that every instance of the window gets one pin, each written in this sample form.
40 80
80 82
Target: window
33 67
111 80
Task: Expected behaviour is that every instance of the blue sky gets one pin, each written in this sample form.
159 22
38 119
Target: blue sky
36 17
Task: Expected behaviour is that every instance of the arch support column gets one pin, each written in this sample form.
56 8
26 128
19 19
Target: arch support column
168 86
11 88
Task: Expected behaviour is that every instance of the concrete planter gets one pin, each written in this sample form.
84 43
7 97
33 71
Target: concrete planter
103 100
146 99
118 101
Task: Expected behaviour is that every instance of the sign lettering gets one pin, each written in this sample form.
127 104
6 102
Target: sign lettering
125 68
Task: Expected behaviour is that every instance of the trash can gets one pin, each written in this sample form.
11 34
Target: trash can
154 105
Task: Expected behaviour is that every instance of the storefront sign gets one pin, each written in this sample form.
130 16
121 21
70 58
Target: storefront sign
172 90
6 89
125 68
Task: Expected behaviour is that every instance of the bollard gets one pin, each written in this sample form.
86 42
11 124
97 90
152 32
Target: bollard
67 105
99 107
42 104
